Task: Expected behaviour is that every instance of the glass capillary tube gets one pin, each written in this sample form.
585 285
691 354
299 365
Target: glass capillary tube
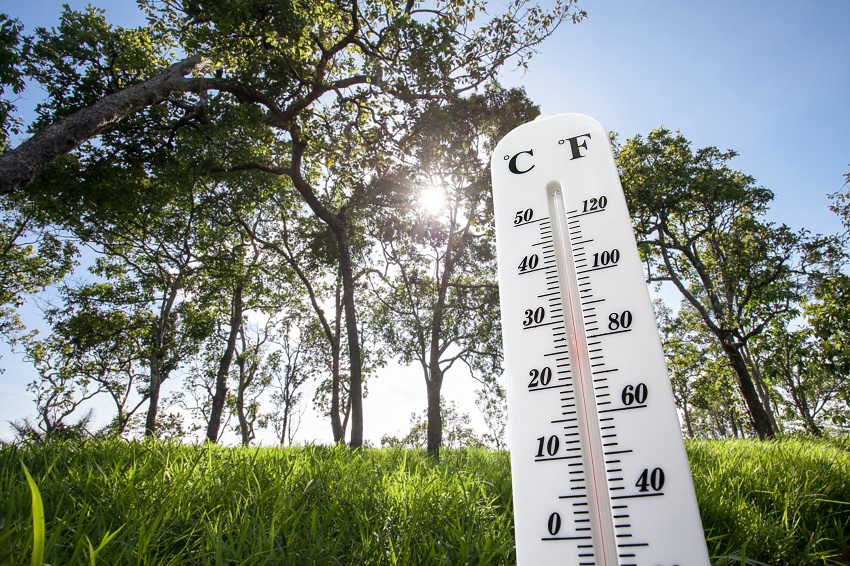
601 518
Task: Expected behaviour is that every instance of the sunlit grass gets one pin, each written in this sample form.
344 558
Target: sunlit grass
170 504
108 502
783 502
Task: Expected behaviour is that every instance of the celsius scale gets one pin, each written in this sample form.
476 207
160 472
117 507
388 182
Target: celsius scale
600 474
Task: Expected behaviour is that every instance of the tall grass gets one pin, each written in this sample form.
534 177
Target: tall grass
781 503
171 504
108 502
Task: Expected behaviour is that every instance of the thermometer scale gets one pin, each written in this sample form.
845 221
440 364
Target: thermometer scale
600 474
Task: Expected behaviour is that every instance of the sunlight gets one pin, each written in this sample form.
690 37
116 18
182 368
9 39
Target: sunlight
432 200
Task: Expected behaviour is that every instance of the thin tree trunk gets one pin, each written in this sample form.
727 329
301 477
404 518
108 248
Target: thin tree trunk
220 395
245 378
339 226
736 429
336 423
244 434
153 397
157 375
798 395
434 375
688 424
355 389
435 383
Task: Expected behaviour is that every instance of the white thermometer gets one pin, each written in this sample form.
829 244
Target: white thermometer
600 474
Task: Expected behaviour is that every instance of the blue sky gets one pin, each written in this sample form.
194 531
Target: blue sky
769 79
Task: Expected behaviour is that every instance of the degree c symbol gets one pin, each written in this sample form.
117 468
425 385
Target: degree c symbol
512 164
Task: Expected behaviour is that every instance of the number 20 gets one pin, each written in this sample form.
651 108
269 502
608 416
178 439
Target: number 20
540 377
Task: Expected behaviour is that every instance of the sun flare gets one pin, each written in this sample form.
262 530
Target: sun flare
432 200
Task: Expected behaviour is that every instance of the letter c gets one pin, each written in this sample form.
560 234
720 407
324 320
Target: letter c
513 166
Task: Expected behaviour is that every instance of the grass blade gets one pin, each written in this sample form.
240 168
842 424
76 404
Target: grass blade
38 532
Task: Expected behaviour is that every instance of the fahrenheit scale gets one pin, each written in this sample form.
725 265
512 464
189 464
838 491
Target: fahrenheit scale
600 474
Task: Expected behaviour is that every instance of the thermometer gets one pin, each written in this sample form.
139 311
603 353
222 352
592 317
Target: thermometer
600 474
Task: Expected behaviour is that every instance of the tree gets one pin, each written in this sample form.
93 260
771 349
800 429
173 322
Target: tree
20 166
436 287
827 345
11 75
493 404
151 249
289 369
458 432
252 378
33 256
313 79
134 60
826 353
230 277
96 75
59 392
303 247
802 368
700 227
99 339
703 385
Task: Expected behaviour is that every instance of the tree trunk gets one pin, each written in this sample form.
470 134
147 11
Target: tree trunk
339 226
687 415
435 417
331 334
434 375
736 430
157 373
336 423
153 397
21 165
245 378
220 395
761 420
355 390
284 428
762 389
244 433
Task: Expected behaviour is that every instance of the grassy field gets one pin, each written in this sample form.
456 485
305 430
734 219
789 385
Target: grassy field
107 502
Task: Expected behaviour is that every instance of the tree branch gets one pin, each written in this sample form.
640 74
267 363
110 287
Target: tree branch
21 165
